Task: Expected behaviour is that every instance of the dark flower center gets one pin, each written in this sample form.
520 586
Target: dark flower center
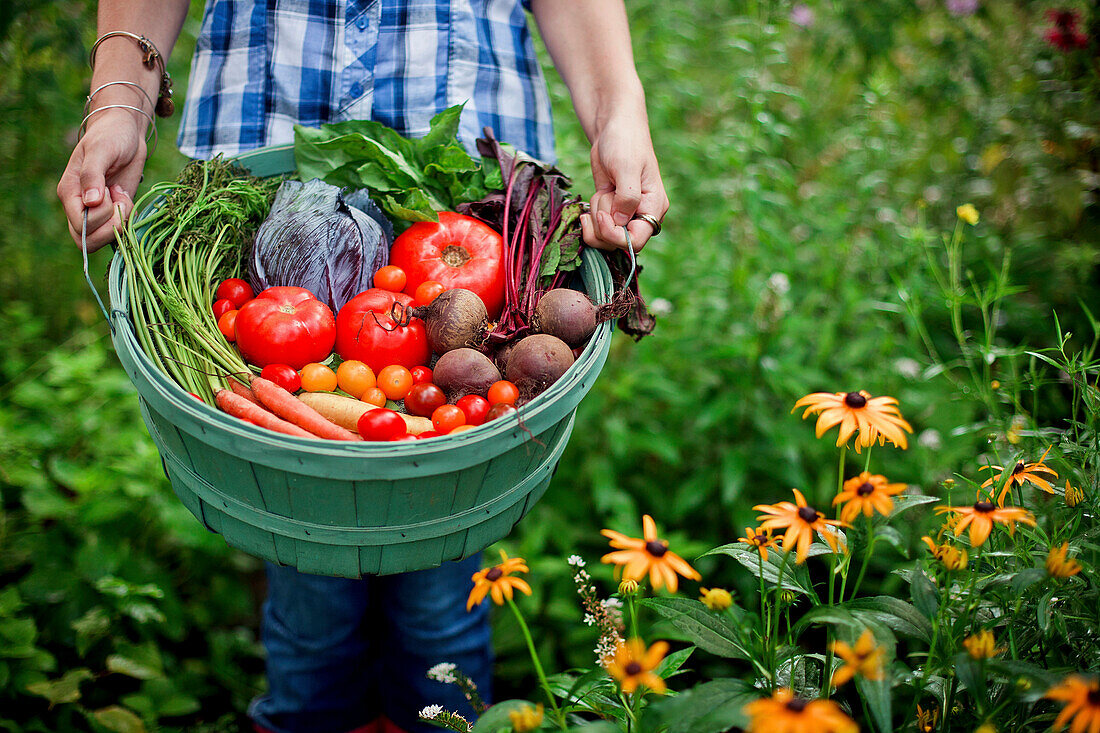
984 507
808 514
855 400
760 538
797 704
865 488
1018 469
656 548
494 574
633 668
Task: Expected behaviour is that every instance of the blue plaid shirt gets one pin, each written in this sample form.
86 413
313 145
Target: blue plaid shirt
260 67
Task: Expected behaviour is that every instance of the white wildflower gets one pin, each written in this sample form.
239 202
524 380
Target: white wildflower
614 608
431 712
576 561
779 283
442 672
660 307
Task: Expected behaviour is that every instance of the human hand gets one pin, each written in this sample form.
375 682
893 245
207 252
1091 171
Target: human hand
628 183
102 176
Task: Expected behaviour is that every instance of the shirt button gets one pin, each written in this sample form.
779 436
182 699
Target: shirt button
362 22
356 89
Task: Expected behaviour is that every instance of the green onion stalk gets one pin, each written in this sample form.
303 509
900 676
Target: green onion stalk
190 234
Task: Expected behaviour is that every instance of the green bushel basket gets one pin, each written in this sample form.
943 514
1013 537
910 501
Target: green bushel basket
355 509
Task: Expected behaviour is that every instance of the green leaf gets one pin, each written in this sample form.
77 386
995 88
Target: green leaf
1043 611
496 718
879 700
970 674
65 689
795 577
905 502
670 664
711 707
10 602
896 614
91 627
17 637
142 661
894 538
925 596
118 719
1027 578
708 630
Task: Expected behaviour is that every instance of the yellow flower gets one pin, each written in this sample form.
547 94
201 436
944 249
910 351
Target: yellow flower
967 213
864 658
986 728
1074 496
1082 698
873 418
761 539
982 515
1057 564
1023 473
785 713
1015 429
628 587
633 665
526 718
716 599
927 719
982 645
950 556
648 555
867 493
800 521
498 581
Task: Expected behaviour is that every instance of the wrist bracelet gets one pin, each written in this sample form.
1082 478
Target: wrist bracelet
151 58
101 87
152 123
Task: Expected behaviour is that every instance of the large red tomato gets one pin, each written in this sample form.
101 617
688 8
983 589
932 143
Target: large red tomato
458 251
365 331
285 325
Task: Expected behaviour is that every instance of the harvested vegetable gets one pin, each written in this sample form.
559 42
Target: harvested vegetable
315 240
346 412
366 331
537 362
464 371
292 409
285 325
567 314
381 424
455 319
237 406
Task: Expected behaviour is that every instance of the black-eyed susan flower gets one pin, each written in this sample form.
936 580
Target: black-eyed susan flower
982 645
873 418
498 581
633 665
982 515
716 599
1058 565
927 719
526 718
1082 698
759 538
950 556
647 556
1073 495
785 713
800 521
867 493
1022 472
865 658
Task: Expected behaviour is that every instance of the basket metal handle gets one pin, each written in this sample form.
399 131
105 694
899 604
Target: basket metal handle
87 277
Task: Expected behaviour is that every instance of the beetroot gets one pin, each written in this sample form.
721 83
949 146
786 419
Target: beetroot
536 362
567 314
464 371
455 319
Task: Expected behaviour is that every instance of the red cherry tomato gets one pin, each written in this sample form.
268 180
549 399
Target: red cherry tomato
457 251
447 417
236 290
500 410
406 438
227 325
285 325
475 407
221 307
428 434
381 424
390 277
503 392
423 399
283 375
421 375
427 291
366 331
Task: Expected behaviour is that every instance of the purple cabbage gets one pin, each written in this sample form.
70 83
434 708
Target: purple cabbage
316 238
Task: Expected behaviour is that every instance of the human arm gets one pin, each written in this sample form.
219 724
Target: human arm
106 164
589 43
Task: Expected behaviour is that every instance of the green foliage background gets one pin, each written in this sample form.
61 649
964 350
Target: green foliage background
799 162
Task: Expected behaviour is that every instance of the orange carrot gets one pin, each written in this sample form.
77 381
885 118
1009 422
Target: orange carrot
289 407
345 411
243 391
238 406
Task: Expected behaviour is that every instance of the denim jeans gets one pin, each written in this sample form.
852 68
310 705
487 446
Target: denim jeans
342 652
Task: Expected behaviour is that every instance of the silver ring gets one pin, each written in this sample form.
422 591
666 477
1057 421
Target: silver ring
652 221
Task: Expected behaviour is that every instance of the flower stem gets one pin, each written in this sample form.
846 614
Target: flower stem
866 555
538 665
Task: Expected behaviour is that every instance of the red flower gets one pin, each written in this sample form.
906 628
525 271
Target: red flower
1065 35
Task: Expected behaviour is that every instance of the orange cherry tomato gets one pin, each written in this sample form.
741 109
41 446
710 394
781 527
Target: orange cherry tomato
447 417
396 381
318 378
462 429
374 396
354 377
503 392
427 291
390 277
227 324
